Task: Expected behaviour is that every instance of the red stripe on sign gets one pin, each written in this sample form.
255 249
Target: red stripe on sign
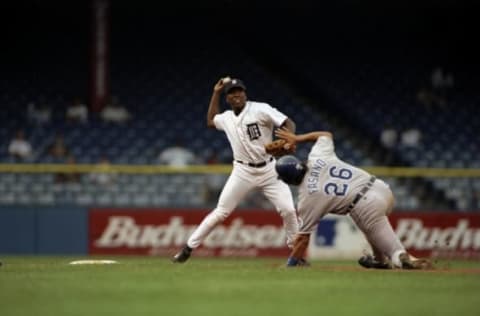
439 234
162 232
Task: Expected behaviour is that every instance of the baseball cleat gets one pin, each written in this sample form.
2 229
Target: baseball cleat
369 262
303 263
183 255
294 262
412 263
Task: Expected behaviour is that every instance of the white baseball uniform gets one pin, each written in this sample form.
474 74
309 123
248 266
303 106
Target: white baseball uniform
334 186
253 168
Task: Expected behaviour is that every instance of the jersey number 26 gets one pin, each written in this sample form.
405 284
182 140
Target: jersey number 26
336 188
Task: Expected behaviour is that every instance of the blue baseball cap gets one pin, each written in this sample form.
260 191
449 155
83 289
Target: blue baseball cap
234 83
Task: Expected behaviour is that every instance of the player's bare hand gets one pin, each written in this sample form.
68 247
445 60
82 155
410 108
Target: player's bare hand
218 86
284 133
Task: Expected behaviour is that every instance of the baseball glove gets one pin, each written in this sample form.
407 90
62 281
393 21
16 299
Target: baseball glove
279 147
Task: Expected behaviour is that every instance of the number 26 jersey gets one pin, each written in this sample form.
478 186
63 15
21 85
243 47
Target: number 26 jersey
330 184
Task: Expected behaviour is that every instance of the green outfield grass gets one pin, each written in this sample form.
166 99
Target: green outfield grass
154 286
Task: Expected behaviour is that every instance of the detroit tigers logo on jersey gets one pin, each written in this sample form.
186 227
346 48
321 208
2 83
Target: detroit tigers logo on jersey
249 131
253 131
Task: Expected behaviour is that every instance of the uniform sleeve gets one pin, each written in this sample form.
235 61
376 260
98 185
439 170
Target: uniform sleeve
219 121
323 147
273 114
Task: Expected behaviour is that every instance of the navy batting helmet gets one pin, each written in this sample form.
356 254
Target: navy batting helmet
290 169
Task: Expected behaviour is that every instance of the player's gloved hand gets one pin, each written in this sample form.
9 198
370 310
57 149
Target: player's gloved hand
280 147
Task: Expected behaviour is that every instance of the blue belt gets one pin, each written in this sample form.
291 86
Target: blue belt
362 192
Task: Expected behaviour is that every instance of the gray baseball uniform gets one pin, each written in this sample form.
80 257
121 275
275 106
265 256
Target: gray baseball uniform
334 186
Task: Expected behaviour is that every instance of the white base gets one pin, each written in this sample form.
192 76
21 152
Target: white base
93 262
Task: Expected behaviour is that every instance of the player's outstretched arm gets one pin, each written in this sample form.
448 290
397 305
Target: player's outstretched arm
214 106
289 124
292 138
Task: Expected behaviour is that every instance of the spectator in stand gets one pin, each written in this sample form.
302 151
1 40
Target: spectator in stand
58 150
441 82
177 155
389 136
426 97
438 92
411 137
102 174
39 113
68 177
115 112
77 112
19 148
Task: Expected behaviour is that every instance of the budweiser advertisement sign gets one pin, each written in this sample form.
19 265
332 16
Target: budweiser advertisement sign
163 232
439 234
425 234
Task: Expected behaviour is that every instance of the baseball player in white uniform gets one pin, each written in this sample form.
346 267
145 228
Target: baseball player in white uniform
248 126
330 185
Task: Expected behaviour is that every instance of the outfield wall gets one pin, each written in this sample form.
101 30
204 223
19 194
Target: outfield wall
43 230
249 233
